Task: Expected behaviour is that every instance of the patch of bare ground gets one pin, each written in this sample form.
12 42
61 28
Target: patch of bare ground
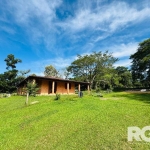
112 98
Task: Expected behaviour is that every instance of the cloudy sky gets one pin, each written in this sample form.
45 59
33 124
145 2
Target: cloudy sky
44 32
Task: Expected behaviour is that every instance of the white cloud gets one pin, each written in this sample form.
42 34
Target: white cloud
107 18
123 50
25 11
7 29
39 19
41 23
59 63
36 18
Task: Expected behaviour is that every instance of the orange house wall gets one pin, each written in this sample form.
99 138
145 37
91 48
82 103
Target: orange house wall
60 87
44 87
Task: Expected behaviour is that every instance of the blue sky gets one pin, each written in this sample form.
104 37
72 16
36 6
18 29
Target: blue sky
44 32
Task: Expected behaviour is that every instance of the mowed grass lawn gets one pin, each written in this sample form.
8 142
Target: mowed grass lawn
72 123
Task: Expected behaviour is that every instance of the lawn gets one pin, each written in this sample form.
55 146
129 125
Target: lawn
72 123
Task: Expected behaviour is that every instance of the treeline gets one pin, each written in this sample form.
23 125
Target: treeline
96 68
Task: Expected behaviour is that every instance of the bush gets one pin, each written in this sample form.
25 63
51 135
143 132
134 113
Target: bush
97 90
57 97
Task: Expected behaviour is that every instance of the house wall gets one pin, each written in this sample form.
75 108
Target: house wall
44 87
62 90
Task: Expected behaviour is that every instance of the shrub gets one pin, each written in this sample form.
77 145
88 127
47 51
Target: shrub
57 96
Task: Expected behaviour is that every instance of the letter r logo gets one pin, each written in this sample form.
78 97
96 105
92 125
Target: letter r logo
138 134
134 132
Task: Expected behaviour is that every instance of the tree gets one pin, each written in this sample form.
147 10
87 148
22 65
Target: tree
92 68
31 89
141 64
10 76
51 71
3 84
124 77
21 76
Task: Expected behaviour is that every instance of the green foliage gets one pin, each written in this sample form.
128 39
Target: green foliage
21 75
57 96
51 71
3 84
92 68
124 77
141 64
31 88
12 77
97 90
33 74
11 62
8 80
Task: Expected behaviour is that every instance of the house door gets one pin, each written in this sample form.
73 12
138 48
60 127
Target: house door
50 87
55 87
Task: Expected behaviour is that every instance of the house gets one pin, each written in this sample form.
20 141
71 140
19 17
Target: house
51 85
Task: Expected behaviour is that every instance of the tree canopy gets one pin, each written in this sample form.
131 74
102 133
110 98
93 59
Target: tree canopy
124 77
93 67
51 71
12 77
141 64
9 78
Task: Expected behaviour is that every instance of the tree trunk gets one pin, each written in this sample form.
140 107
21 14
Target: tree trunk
92 80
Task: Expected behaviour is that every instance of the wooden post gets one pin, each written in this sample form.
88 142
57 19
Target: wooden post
27 99
67 88
53 85
79 87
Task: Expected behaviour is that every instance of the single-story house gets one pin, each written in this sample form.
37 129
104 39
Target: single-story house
51 85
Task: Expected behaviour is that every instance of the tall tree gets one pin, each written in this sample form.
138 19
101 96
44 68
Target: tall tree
10 75
11 62
51 71
141 64
93 67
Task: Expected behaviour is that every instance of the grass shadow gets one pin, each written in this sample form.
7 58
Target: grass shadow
143 97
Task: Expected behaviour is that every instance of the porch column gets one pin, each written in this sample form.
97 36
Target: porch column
53 85
33 82
67 88
79 87
88 88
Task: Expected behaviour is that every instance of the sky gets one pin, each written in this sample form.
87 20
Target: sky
54 32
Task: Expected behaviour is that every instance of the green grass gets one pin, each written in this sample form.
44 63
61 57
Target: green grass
73 123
